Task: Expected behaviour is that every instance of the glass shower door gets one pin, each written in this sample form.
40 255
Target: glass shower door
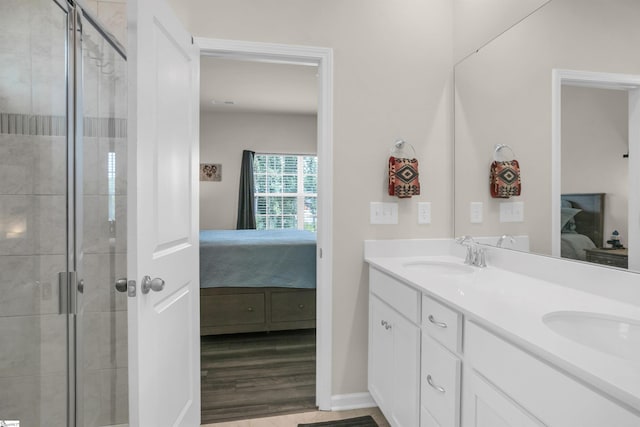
101 169
33 212
63 327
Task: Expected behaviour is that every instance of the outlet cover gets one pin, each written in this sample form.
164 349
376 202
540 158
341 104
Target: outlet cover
475 212
424 213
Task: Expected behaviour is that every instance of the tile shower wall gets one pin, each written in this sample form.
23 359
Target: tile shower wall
33 239
33 350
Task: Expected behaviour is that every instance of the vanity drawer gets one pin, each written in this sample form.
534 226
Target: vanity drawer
401 297
440 383
442 323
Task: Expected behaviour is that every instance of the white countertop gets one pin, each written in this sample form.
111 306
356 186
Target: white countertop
513 305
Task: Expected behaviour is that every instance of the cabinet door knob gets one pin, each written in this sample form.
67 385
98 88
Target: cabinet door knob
300 306
430 381
435 322
250 309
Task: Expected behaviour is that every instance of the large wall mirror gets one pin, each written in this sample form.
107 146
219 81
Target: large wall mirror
562 90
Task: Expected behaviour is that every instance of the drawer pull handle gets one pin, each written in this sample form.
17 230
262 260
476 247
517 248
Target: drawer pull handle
386 324
430 381
438 324
250 309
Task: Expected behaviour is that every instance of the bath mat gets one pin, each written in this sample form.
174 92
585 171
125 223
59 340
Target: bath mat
365 421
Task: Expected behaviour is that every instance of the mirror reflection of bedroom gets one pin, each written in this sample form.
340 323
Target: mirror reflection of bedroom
595 147
258 220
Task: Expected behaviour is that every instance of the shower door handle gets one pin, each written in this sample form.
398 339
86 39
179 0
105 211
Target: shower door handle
69 287
63 294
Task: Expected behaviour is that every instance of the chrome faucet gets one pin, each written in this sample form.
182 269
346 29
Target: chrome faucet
502 238
475 254
470 244
480 259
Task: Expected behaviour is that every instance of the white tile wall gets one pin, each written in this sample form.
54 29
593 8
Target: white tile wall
33 221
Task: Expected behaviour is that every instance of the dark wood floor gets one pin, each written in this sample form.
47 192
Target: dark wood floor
258 374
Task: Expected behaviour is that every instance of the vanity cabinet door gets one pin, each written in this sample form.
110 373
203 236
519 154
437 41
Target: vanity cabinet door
406 368
380 353
485 406
394 355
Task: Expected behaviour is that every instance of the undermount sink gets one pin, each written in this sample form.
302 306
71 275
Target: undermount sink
617 336
440 267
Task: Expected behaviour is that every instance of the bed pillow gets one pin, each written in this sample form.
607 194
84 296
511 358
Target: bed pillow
565 204
567 221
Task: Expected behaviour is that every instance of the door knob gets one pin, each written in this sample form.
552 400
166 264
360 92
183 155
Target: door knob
128 286
149 284
121 285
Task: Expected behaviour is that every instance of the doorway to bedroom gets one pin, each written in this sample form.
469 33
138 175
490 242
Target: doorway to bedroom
258 222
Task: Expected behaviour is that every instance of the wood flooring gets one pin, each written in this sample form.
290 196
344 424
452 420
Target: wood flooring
257 374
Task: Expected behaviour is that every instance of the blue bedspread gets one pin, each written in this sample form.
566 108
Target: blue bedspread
258 258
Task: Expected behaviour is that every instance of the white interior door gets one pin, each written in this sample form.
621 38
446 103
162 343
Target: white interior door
164 346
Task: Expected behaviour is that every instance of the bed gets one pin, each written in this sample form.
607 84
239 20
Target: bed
257 280
582 224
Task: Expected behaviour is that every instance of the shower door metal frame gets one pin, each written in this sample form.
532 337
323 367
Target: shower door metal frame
71 288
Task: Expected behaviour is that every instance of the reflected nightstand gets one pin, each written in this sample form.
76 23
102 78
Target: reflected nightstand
610 257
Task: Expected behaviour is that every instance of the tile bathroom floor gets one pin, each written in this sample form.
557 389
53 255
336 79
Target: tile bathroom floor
292 420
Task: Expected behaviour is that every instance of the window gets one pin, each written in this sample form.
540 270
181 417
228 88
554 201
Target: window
286 191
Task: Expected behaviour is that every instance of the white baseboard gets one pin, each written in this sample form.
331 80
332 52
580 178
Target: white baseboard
343 402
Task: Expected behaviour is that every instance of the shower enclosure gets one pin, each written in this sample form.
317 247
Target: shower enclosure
63 149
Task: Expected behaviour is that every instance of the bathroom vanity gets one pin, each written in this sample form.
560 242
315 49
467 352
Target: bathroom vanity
456 345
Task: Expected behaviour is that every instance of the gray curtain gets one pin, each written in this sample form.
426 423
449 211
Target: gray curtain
246 204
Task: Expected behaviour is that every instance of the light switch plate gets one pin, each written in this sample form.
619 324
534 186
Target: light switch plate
383 213
475 212
512 212
424 213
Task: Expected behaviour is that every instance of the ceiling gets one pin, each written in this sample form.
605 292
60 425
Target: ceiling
257 86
